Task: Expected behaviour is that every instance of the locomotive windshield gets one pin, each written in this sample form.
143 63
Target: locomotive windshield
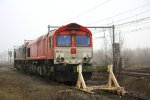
82 40
64 40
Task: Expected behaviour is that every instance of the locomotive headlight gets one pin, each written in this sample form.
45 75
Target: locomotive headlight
87 59
86 56
62 58
59 57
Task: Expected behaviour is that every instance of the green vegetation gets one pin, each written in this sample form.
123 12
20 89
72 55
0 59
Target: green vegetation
94 68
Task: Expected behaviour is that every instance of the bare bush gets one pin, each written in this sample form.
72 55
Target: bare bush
138 57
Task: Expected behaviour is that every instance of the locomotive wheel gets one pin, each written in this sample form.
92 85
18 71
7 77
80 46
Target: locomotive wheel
44 71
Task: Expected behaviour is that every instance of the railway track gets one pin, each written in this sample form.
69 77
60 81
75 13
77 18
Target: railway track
124 72
136 73
11 67
7 66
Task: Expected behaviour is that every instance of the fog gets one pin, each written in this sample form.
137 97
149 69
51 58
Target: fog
28 19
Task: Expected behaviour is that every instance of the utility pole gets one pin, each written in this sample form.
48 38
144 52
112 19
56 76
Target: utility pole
48 28
10 51
0 59
4 56
113 47
8 55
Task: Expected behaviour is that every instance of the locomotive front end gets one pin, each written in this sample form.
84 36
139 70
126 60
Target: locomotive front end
73 47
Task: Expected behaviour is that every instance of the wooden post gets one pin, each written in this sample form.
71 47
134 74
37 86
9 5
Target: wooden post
112 83
111 86
112 77
81 83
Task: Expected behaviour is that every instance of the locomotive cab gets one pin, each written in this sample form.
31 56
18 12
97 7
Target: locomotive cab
73 45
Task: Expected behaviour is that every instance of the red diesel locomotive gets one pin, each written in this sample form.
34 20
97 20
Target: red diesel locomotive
57 54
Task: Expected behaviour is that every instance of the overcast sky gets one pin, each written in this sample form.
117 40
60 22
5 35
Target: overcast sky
28 19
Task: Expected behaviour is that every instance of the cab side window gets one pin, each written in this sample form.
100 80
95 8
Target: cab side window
51 42
14 54
28 52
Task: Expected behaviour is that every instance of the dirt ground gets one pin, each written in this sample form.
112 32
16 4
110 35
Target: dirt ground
15 85
138 86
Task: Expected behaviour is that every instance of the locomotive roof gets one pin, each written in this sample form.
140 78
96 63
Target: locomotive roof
70 26
19 47
38 39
